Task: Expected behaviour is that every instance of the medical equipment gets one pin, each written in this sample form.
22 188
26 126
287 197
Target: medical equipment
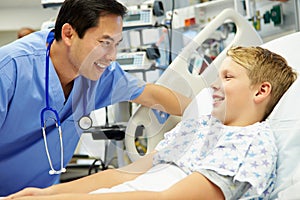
48 108
134 61
275 15
128 3
51 3
199 14
143 15
138 18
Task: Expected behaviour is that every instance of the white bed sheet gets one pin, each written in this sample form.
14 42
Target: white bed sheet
159 178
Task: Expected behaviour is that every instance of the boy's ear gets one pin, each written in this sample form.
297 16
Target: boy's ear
67 32
263 92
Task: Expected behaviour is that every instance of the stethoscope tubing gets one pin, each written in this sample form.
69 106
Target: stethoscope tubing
52 171
48 108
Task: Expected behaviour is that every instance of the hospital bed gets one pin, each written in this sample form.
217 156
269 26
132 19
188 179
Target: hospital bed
285 120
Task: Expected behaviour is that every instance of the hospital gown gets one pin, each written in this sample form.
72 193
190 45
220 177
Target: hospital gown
23 159
247 154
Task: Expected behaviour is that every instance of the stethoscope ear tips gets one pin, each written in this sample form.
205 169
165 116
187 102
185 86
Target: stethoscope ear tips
51 172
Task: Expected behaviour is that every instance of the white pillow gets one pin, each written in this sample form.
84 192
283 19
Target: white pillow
292 192
285 118
285 122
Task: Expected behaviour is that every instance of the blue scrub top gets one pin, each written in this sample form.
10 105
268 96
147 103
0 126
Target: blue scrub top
23 159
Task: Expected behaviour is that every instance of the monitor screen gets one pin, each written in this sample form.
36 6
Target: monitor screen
125 61
133 17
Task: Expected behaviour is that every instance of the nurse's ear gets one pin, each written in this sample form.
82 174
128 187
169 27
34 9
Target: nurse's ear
67 33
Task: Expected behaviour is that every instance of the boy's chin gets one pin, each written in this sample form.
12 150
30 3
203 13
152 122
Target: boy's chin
218 115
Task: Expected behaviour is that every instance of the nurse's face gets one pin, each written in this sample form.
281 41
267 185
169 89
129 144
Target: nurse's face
232 94
97 49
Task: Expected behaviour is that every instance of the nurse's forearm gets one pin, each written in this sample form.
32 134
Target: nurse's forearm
164 99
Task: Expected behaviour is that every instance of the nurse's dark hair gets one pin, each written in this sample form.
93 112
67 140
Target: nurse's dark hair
85 14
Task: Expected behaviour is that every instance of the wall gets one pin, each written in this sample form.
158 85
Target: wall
7 36
13 18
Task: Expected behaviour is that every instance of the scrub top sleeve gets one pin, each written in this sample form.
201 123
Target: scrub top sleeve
7 75
125 85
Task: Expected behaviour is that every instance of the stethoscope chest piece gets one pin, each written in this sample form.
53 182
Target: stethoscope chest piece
85 122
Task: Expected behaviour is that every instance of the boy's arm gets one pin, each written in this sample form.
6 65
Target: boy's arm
194 186
163 99
106 178
103 179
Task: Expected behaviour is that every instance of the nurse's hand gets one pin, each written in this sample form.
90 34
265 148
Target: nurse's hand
29 192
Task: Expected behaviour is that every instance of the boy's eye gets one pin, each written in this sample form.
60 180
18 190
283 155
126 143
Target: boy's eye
227 76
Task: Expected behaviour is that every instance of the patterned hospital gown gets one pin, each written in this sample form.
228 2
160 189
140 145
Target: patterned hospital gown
248 154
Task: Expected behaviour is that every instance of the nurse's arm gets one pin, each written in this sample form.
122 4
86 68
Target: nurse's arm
163 99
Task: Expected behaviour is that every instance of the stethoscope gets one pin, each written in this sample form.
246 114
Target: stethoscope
52 171
84 123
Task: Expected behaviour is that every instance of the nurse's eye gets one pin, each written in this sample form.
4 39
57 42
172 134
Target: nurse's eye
105 43
117 44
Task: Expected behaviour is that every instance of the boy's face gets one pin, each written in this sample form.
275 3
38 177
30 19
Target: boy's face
97 49
232 94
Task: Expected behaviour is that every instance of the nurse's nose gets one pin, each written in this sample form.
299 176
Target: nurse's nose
111 54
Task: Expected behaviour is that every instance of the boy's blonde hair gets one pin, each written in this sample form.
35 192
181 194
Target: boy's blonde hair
264 65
